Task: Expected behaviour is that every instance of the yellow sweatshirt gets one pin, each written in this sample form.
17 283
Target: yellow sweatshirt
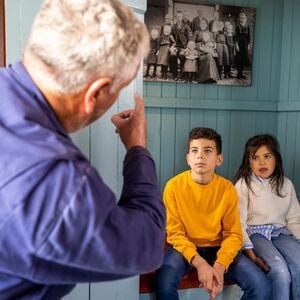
203 216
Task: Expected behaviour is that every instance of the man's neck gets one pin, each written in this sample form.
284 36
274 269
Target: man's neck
67 108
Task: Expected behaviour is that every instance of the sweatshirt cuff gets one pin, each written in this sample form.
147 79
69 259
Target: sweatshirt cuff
189 253
224 262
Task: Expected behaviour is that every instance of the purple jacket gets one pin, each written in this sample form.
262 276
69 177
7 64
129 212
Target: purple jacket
60 224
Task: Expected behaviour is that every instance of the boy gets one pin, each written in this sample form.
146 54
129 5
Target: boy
203 226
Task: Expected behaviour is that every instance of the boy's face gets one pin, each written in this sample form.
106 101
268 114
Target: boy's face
203 157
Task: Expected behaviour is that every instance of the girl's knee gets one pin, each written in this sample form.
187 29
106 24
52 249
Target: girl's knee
258 288
280 273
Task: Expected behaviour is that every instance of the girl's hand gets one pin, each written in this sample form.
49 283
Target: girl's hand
257 260
260 263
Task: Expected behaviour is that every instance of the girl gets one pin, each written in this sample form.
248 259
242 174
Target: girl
166 42
270 215
190 65
152 56
207 67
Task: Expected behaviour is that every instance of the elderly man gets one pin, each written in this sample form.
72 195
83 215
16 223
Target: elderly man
60 224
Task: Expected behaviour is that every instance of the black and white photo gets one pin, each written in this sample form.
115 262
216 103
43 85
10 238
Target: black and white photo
199 43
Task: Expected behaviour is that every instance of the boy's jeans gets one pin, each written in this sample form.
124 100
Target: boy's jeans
242 271
282 255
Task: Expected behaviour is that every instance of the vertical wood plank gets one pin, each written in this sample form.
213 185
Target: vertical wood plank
167 164
181 136
2 34
154 134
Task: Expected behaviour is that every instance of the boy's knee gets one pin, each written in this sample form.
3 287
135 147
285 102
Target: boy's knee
257 287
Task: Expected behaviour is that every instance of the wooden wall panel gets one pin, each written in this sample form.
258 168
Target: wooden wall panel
168 131
2 34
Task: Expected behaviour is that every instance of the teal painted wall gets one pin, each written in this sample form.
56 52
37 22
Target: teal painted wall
271 104
289 96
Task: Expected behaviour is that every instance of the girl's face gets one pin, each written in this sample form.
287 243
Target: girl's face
203 25
154 33
167 30
263 162
191 45
229 28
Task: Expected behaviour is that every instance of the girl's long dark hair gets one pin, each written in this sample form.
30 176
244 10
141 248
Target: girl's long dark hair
252 145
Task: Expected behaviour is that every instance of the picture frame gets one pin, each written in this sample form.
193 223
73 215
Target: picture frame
2 34
196 42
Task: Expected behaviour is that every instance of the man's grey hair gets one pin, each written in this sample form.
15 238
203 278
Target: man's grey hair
78 41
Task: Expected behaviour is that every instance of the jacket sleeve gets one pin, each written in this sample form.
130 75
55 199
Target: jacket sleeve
176 232
95 238
232 232
243 195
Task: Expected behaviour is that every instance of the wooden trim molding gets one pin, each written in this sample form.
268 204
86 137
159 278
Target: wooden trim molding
2 34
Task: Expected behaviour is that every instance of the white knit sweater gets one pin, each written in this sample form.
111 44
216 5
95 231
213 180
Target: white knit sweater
263 206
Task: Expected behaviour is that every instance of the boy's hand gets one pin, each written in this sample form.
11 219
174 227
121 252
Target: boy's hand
131 125
205 273
218 281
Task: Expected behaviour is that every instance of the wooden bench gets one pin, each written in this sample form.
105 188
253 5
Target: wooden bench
189 281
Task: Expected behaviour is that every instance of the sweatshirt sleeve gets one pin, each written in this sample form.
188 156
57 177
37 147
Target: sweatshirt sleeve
293 214
176 233
243 196
98 239
232 233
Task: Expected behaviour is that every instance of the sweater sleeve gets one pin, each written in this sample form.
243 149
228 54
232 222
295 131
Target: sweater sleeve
293 214
232 233
243 196
98 239
176 233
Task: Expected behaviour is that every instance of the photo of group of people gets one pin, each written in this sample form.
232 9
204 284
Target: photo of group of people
200 44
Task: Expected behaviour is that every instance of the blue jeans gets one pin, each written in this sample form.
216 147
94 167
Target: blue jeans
242 271
282 254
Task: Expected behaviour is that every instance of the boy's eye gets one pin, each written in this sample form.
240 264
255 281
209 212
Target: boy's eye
207 151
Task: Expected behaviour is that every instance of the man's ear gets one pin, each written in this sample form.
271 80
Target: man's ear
94 91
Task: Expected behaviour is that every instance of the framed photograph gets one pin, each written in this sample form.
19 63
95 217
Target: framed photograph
199 43
2 34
